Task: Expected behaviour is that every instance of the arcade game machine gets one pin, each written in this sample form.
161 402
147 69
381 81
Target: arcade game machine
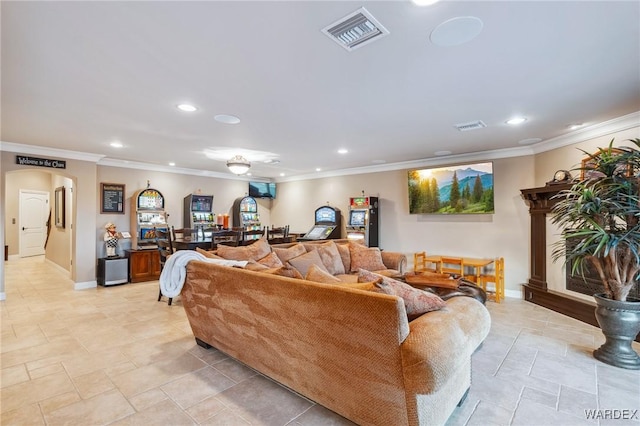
245 214
147 215
198 212
363 220
328 225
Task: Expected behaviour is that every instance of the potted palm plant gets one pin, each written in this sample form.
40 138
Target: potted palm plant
600 215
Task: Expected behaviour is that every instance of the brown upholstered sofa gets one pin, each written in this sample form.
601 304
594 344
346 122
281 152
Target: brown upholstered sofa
350 350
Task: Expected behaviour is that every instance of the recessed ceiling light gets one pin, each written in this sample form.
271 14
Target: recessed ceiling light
575 126
343 151
281 174
248 174
529 141
172 164
516 120
187 108
424 2
226 119
441 153
318 169
116 144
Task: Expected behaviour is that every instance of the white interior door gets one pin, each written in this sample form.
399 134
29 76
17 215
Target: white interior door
34 212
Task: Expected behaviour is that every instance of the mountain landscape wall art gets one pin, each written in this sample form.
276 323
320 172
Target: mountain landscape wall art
461 189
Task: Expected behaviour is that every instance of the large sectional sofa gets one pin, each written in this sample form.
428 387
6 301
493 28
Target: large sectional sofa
348 348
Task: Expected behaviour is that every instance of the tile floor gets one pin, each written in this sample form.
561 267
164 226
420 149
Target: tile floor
115 356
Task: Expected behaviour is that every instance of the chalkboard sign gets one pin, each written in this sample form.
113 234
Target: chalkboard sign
112 200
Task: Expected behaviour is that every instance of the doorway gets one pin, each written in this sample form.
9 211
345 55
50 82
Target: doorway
32 222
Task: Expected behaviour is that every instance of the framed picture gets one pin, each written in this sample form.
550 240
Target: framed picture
112 198
459 189
59 206
588 163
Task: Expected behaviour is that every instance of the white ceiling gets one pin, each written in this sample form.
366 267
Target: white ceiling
79 75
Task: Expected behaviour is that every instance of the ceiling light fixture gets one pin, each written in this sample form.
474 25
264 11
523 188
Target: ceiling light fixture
238 165
187 108
516 120
226 119
116 144
424 2
575 126
343 151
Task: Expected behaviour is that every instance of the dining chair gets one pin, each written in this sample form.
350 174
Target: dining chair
251 236
278 235
497 278
165 249
226 237
452 266
181 232
420 263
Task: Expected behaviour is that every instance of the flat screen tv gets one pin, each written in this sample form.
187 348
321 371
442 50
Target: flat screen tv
262 189
461 189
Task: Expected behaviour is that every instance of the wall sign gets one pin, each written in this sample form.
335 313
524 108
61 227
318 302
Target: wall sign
40 162
112 198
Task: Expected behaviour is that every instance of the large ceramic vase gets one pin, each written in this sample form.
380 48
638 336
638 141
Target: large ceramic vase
620 323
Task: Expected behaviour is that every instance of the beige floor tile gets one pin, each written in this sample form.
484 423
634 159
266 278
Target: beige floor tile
161 414
146 399
487 413
227 418
320 416
36 390
92 384
102 409
197 386
26 415
206 409
13 375
59 401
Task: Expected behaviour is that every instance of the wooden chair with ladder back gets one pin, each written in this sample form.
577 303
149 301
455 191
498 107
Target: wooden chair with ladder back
421 264
278 235
497 278
251 236
227 237
181 232
165 249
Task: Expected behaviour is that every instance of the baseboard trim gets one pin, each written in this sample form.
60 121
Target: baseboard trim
85 285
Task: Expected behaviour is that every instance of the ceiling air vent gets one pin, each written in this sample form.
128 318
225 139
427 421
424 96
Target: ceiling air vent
473 125
355 30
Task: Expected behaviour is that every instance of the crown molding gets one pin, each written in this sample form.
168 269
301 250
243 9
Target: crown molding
51 152
615 125
472 157
109 162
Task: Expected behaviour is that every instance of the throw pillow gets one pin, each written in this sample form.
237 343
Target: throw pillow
252 265
302 263
285 271
289 253
416 302
315 274
343 249
363 257
331 258
208 254
255 251
271 260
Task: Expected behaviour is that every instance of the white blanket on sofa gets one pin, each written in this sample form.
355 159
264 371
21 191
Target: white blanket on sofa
174 271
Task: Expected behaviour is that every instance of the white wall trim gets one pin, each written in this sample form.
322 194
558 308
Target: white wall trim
85 285
53 152
513 294
615 125
167 169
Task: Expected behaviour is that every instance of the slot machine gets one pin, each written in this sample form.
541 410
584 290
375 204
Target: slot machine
363 220
198 211
245 214
328 225
147 215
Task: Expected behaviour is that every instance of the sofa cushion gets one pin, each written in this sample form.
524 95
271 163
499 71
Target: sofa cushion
330 256
285 271
255 251
314 273
343 249
208 254
271 260
290 252
252 265
302 263
416 302
363 257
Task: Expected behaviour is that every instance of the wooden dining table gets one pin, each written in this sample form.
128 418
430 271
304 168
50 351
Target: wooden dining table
478 264
189 243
